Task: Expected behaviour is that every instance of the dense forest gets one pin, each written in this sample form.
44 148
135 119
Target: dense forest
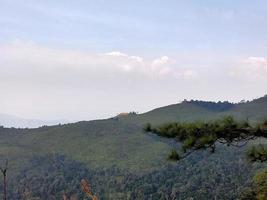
51 176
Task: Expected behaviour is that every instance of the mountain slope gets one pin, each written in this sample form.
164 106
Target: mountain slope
101 143
185 111
254 111
189 111
120 143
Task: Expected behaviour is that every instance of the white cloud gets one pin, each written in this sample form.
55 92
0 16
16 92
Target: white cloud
30 57
158 67
189 74
120 54
116 53
251 67
256 61
160 61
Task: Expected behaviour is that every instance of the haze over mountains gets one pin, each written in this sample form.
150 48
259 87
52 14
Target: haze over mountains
205 107
17 122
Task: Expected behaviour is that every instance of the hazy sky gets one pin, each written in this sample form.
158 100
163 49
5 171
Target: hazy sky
93 58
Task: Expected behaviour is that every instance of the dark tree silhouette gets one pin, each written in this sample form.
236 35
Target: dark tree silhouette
205 135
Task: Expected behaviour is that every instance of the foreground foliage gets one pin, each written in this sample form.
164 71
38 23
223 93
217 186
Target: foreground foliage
202 135
206 135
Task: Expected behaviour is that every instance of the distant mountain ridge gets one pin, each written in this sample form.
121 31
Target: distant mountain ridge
194 110
17 122
214 106
187 110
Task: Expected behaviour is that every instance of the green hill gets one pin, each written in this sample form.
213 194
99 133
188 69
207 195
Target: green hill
189 111
185 111
253 111
119 143
102 143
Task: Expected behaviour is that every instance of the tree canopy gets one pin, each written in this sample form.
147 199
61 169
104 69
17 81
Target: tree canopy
206 135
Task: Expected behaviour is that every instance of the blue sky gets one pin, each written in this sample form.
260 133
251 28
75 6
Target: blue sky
135 26
137 54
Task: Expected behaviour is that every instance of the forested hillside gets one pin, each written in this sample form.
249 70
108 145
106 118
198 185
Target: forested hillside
123 162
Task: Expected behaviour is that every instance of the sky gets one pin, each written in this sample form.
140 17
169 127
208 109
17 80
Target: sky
91 59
